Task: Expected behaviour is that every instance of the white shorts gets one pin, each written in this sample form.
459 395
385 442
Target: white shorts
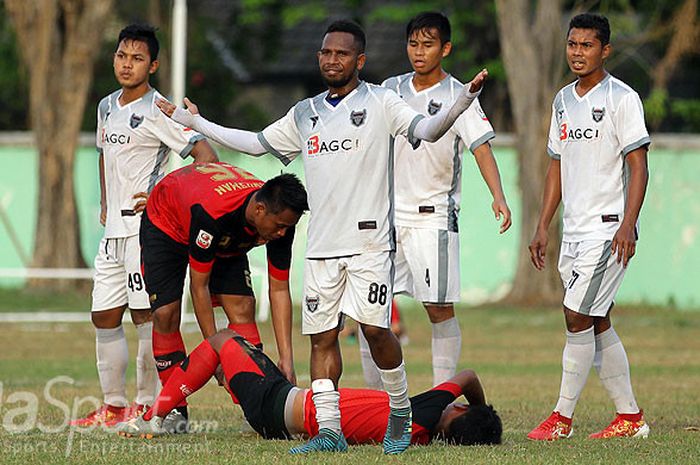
118 280
427 264
591 276
358 286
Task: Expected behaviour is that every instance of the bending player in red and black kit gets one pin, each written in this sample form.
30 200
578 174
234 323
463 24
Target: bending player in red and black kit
208 216
277 409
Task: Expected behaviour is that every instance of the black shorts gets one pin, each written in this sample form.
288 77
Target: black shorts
259 385
231 275
165 262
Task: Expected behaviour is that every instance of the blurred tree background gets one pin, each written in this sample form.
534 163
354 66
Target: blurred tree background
241 44
248 61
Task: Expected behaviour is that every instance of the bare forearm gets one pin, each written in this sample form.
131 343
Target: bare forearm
203 311
202 152
281 305
103 195
637 187
552 194
489 171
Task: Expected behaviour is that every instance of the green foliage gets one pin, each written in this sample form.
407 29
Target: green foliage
14 83
689 113
656 107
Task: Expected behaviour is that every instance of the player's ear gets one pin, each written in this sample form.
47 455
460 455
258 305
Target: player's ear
153 67
446 48
361 59
607 50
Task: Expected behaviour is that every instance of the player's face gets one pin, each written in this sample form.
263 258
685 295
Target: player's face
271 226
339 60
132 64
450 412
425 51
585 53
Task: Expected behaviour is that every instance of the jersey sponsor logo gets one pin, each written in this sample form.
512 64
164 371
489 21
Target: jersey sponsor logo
598 114
357 118
185 390
114 138
204 239
311 303
314 121
135 120
317 146
577 134
434 107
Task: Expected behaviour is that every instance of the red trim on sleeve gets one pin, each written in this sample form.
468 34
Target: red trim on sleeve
450 387
201 267
280 275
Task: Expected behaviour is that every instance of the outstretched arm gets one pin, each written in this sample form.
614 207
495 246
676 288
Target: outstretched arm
431 129
234 139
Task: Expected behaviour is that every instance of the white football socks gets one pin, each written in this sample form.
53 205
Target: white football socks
146 374
327 401
396 385
112 360
614 371
372 378
446 345
576 364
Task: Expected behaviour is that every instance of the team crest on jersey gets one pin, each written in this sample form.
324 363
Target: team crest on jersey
135 120
434 107
314 121
204 239
358 117
311 303
598 114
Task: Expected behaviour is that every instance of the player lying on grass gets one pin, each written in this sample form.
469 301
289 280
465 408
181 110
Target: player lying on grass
276 409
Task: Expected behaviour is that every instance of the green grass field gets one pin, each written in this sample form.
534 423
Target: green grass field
516 353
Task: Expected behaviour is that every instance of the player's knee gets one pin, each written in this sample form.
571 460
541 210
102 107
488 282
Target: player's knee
376 335
576 322
217 341
139 317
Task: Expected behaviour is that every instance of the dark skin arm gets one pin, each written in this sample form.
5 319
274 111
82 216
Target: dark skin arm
202 152
550 203
471 386
103 194
625 239
281 306
201 301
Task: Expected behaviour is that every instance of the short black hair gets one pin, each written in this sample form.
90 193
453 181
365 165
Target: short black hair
142 33
592 21
283 192
430 20
351 27
479 425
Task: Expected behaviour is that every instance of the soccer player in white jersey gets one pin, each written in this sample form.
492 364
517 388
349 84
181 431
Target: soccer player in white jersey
133 139
428 188
343 136
598 146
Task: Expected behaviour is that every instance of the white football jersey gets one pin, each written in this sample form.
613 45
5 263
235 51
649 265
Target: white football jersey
348 164
591 135
429 178
135 140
